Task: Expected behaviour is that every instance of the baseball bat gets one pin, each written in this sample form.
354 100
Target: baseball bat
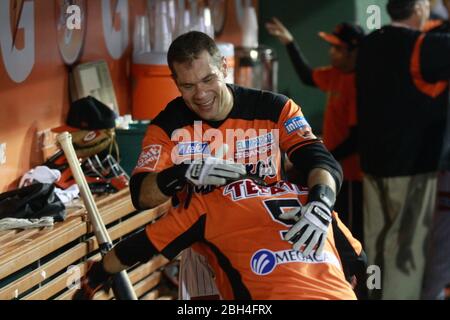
122 287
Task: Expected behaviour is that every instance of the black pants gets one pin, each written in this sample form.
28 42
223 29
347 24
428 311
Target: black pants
349 207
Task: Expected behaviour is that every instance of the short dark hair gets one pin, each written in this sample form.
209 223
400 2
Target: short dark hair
401 9
188 46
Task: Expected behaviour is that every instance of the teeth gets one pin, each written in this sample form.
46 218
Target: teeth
207 103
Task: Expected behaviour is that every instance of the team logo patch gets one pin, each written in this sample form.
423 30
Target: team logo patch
91 135
149 157
193 148
298 124
264 261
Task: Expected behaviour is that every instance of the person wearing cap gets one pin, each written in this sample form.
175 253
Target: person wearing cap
401 79
339 127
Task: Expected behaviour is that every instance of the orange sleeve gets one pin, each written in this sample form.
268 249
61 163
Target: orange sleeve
156 154
294 130
175 224
323 77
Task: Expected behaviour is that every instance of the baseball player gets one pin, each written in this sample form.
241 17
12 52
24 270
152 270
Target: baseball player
210 110
250 260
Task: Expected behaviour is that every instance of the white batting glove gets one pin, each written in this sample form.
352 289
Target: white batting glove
213 171
312 221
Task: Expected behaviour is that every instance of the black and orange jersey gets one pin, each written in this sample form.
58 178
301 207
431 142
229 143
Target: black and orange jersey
402 102
240 225
340 114
436 26
259 124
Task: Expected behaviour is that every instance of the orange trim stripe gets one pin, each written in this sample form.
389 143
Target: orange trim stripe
431 24
430 89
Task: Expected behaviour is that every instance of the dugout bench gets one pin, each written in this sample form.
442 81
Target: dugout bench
34 263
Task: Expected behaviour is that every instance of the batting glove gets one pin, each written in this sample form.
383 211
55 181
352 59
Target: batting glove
95 279
213 171
312 221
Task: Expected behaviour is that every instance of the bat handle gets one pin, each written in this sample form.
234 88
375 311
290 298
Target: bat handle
122 287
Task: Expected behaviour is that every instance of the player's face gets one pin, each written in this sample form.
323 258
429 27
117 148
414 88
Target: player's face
342 58
202 86
423 12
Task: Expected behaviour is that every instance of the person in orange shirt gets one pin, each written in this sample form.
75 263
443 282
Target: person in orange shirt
339 127
250 260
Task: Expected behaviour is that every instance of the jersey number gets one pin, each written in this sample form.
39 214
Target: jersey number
276 207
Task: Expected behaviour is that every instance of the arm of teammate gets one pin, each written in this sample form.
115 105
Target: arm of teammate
303 69
313 219
168 236
150 189
135 249
319 171
159 173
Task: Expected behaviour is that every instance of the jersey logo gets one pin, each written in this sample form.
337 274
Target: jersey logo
256 142
298 124
264 261
193 148
149 157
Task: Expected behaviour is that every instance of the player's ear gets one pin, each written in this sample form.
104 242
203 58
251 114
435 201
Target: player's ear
224 67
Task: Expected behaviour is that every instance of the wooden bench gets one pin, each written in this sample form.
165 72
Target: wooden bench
34 263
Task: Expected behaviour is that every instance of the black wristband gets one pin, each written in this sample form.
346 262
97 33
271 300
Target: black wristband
172 180
322 193
98 274
134 249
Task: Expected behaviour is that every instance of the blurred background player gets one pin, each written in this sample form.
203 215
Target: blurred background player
402 101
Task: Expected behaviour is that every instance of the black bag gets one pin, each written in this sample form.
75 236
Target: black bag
33 202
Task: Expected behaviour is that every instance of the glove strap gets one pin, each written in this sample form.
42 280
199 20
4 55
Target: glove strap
172 180
324 194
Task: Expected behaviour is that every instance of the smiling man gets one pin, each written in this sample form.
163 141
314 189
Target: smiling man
209 107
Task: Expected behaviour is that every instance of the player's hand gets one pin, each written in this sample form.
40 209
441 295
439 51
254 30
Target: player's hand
277 29
214 171
94 280
312 221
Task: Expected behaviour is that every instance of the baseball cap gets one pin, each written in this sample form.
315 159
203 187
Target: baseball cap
88 114
344 34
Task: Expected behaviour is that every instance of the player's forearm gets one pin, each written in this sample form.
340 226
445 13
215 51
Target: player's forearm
112 264
303 69
135 249
145 191
321 176
316 165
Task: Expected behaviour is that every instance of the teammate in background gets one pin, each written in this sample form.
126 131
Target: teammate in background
437 271
404 85
339 127
261 124
251 260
